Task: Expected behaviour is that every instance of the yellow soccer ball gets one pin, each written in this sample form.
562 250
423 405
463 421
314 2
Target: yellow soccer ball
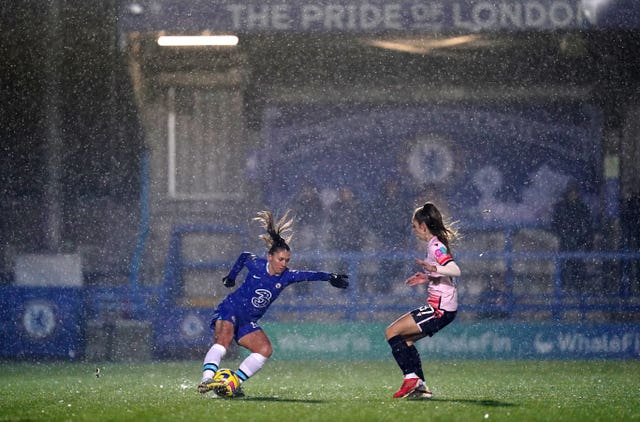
226 383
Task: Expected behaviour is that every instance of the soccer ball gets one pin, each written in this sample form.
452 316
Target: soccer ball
226 383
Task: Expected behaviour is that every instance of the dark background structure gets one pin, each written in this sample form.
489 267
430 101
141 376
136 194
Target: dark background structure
64 69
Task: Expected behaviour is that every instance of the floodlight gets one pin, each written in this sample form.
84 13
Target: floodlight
197 40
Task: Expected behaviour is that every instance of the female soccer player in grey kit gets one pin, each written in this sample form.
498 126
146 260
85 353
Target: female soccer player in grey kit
439 270
236 317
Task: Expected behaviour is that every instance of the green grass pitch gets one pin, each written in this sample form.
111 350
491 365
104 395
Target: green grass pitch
323 391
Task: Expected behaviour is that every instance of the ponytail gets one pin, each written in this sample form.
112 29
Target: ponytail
278 234
432 218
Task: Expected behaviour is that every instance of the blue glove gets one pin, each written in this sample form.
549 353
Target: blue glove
339 280
228 281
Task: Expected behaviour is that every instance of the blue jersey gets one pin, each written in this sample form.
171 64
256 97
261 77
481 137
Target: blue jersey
260 289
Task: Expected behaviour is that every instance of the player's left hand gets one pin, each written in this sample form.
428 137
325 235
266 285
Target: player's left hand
339 280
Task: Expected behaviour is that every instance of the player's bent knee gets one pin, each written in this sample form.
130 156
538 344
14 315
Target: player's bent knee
392 331
389 332
266 352
264 349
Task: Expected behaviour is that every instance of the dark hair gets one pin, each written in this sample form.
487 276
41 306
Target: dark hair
278 234
431 216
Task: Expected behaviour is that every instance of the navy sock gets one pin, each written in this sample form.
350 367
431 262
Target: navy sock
404 355
417 363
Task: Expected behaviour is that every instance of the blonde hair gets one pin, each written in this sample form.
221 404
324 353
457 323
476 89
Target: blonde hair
278 233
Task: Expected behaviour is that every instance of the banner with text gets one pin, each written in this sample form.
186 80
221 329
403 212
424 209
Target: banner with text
459 341
372 16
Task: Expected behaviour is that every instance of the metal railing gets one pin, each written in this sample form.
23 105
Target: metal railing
505 283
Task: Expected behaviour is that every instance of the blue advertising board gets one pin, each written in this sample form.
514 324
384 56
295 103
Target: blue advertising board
482 340
537 341
181 329
42 322
188 330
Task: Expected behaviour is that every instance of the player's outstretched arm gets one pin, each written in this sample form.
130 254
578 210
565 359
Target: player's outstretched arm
230 279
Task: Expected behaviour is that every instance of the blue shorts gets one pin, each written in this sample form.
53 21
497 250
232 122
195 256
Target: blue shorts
241 324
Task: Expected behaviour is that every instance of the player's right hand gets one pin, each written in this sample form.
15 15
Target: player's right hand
417 278
228 281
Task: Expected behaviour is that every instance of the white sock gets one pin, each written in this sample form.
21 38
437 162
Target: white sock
411 375
251 365
212 360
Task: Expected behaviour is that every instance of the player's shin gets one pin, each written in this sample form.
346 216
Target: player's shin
416 363
212 361
252 364
403 354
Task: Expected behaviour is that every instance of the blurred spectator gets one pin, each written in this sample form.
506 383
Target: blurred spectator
571 220
393 224
346 228
630 219
630 222
309 214
392 229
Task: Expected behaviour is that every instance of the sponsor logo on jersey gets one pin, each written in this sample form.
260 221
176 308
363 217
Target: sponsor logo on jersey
262 298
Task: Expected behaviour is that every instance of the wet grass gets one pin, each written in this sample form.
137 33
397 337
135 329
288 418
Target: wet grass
324 391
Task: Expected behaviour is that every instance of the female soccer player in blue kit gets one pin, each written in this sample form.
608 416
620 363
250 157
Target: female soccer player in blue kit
236 317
